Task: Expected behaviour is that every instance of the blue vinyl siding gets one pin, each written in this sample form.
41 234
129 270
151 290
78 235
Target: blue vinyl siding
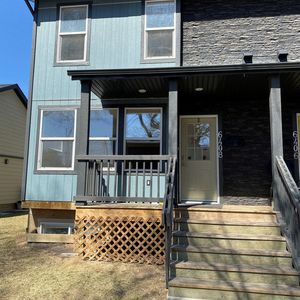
115 42
153 186
131 181
49 187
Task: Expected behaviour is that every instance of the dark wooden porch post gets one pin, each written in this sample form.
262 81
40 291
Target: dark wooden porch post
173 117
275 120
82 134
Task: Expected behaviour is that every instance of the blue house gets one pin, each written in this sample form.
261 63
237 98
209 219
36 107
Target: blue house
166 131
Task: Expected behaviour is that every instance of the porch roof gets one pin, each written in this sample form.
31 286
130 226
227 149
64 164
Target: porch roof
223 80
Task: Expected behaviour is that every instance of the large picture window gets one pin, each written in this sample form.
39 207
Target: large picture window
159 35
72 34
143 131
103 131
57 140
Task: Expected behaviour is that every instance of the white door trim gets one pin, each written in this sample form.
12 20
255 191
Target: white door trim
217 158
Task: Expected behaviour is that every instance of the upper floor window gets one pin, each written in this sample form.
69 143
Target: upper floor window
159 35
72 34
57 139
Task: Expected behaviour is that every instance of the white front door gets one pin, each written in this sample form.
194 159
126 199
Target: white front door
199 164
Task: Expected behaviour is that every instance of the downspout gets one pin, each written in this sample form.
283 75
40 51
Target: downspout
29 106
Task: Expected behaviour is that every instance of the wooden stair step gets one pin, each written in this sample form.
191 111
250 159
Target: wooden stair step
231 223
227 215
277 253
235 287
232 271
229 236
218 226
275 270
230 255
229 208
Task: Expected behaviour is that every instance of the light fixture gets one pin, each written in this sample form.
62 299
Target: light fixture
199 89
248 58
282 55
142 91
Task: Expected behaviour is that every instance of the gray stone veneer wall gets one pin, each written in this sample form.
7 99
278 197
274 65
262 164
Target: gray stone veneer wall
219 31
290 108
246 143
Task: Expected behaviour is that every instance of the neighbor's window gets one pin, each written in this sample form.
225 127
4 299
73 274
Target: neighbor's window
159 29
103 131
72 34
57 140
143 131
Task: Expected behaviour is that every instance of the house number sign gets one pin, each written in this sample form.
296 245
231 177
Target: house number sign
295 146
220 145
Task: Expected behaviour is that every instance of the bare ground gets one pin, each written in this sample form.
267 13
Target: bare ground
41 273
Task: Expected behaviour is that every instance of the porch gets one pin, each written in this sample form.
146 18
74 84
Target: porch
235 122
207 118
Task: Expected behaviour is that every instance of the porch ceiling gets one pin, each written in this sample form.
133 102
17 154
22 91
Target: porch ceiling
129 88
223 81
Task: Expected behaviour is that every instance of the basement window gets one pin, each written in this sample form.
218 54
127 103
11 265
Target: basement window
72 34
51 227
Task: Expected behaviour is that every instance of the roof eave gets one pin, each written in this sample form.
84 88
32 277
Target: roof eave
17 90
29 7
270 68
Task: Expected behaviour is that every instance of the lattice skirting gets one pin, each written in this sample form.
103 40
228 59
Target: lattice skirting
125 239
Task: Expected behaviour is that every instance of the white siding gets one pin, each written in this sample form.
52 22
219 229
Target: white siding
10 180
12 137
12 124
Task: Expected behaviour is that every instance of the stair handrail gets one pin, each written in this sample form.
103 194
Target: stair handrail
286 197
167 213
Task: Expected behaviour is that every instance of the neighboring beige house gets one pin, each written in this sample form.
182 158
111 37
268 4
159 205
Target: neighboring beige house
12 137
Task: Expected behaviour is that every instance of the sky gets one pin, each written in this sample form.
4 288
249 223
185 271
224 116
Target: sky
15 46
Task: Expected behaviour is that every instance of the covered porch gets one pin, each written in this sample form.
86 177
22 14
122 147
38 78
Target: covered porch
217 132
218 137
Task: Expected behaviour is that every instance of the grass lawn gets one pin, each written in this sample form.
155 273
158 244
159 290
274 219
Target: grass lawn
34 273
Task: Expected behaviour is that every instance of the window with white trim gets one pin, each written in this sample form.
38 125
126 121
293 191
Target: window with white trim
57 139
143 131
72 34
103 131
159 33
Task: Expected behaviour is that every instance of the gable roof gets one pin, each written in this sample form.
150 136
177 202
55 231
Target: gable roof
16 89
